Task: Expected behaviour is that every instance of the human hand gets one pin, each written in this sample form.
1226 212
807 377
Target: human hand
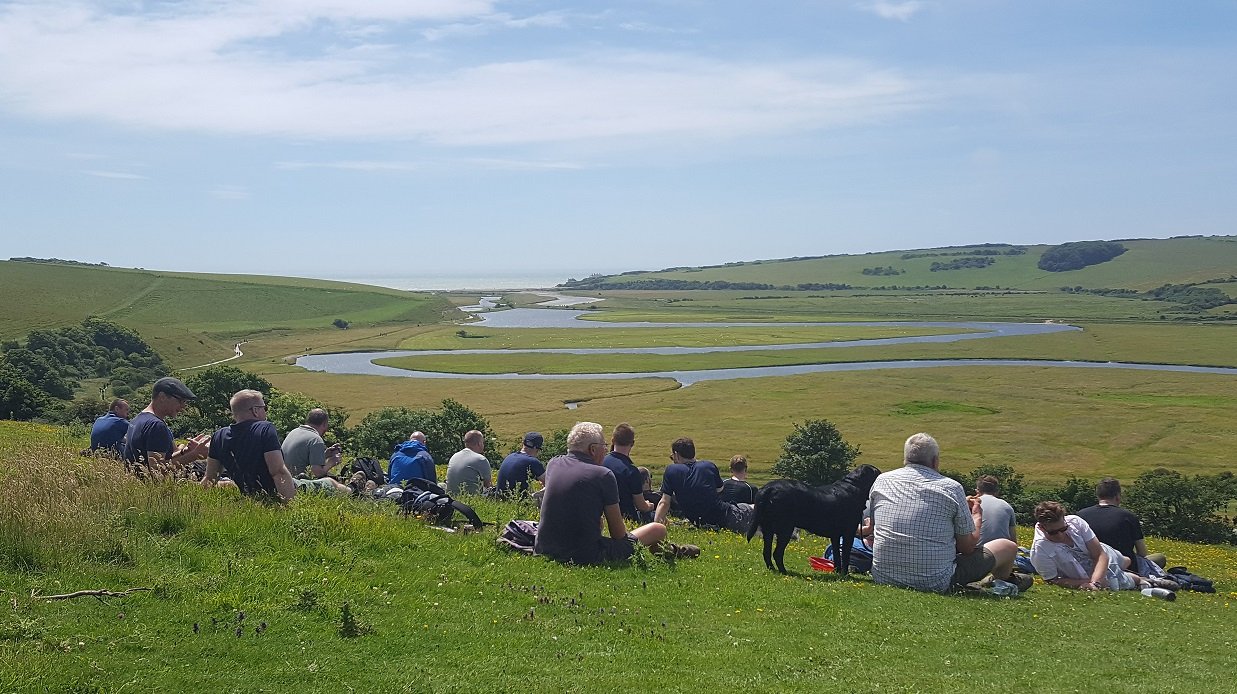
197 446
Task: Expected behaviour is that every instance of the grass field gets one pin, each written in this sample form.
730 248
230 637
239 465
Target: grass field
192 319
1146 264
248 597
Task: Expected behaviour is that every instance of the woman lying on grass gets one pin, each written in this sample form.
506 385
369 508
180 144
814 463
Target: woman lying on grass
1067 553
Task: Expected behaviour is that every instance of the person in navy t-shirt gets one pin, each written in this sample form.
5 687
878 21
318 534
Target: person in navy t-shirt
149 440
630 482
108 432
249 451
696 485
519 469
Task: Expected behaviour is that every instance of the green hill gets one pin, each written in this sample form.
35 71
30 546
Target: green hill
190 317
1147 263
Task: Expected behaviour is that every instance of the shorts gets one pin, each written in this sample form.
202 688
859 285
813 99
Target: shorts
612 550
323 485
972 567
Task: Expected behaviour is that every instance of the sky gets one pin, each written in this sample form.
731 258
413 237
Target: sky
391 138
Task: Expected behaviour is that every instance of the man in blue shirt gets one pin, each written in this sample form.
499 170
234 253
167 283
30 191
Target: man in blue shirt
149 439
411 459
696 485
519 469
630 482
249 451
108 432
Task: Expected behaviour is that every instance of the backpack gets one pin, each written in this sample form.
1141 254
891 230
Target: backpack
519 535
371 467
431 502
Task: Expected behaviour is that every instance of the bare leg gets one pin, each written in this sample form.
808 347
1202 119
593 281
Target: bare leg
649 534
1005 551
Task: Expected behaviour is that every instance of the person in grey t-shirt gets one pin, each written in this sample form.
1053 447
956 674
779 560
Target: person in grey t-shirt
998 515
304 451
468 472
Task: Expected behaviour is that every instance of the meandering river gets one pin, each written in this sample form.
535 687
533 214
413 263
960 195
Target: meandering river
362 363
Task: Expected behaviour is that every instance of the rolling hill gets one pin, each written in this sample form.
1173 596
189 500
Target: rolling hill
190 318
1147 263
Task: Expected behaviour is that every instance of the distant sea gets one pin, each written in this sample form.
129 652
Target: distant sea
469 282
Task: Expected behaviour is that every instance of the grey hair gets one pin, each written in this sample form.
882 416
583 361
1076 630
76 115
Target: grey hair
243 400
582 434
921 449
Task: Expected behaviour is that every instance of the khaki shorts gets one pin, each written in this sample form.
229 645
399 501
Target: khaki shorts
969 568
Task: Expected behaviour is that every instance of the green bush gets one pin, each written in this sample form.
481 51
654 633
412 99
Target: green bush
444 430
815 453
1171 504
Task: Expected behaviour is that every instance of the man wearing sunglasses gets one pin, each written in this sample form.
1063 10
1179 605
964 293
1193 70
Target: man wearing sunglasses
149 440
249 451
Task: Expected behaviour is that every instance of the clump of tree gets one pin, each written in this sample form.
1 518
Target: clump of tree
1079 254
444 430
815 453
887 270
38 379
340 323
968 263
1201 298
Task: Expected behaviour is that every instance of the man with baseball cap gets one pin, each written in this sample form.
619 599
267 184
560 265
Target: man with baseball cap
150 440
519 469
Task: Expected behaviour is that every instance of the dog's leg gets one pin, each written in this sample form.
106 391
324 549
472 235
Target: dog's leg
783 539
842 545
766 534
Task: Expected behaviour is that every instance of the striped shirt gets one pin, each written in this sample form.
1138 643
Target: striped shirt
917 513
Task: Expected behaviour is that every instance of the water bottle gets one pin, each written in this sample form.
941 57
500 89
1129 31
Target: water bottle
1161 593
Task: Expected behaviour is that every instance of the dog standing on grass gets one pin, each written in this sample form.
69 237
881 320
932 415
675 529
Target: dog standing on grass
833 511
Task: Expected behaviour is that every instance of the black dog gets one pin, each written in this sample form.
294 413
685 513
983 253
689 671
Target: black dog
833 511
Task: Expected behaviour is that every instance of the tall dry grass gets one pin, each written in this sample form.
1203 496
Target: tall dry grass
59 508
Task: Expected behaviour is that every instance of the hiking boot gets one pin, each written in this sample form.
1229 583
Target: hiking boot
1166 583
1023 581
673 551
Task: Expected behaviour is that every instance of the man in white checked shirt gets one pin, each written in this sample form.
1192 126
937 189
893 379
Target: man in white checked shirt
926 529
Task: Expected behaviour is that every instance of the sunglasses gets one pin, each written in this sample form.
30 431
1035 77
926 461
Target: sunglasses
1058 531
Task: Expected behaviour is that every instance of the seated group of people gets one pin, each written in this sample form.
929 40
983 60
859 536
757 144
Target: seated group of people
924 531
928 535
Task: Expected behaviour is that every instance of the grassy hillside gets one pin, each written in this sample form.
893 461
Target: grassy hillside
1146 264
193 318
251 597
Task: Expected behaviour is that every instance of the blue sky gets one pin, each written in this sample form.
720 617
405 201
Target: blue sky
344 138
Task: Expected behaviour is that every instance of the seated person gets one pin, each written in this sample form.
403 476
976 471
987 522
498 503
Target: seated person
579 492
1120 529
696 486
520 469
411 459
632 501
737 490
108 432
1067 553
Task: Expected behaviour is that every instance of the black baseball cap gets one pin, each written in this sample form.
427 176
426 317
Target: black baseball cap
533 440
174 387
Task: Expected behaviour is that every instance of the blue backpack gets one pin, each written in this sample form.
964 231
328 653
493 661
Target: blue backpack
860 556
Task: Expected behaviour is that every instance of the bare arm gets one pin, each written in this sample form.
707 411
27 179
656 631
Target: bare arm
967 543
279 472
663 509
1101 563
614 522
641 503
212 473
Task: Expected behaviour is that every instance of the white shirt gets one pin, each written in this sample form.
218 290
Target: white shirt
917 514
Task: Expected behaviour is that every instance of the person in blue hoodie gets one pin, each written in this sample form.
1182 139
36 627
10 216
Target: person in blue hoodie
411 459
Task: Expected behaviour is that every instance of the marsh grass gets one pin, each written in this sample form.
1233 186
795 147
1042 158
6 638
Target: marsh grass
252 597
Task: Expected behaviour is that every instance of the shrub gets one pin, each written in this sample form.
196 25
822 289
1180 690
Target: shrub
815 453
1171 504
444 430
214 387
340 323
1079 254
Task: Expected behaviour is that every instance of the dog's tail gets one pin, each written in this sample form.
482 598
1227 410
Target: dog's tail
757 516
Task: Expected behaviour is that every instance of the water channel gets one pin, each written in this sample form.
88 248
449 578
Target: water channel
362 363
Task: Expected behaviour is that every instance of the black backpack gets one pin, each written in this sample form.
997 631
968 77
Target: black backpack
431 502
371 467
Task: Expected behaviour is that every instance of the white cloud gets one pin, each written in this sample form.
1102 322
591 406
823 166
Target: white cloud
349 165
901 11
227 192
235 67
117 175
